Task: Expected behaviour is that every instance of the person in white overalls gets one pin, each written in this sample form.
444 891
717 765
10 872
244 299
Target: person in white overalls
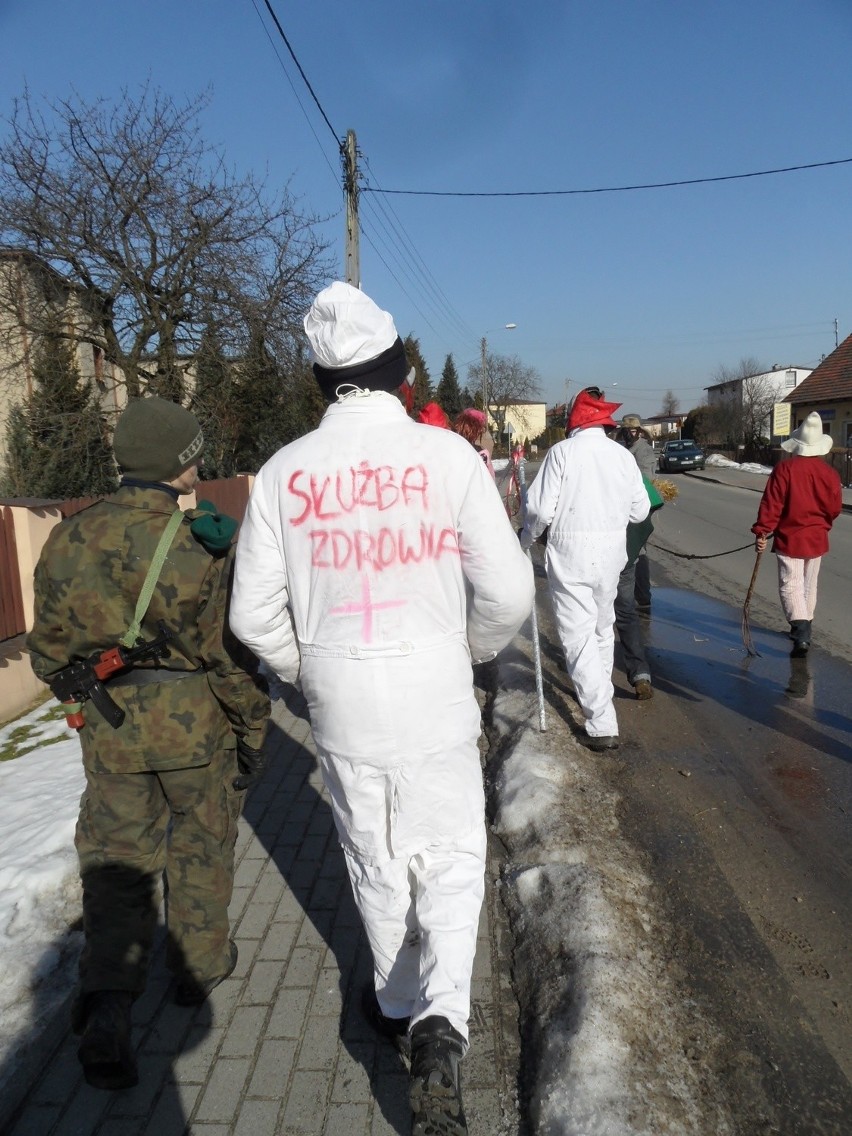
375 564
588 489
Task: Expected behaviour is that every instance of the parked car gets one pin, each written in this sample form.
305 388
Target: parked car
680 455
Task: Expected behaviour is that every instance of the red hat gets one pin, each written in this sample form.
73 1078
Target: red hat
433 415
590 408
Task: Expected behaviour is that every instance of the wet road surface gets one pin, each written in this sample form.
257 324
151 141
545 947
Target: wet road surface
737 785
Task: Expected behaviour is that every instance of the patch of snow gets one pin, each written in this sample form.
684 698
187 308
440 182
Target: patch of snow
721 462
607 1023
39 885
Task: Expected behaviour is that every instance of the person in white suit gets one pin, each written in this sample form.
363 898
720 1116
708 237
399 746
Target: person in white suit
587 491
375 564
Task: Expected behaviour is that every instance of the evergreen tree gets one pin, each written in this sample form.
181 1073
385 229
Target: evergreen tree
307 402
20 461
423 392
265 412
215 406
449 394
66 452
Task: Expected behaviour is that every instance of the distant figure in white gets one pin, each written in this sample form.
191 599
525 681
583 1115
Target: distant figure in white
375 564
588 489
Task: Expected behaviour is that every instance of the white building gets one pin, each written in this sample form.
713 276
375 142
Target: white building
763 389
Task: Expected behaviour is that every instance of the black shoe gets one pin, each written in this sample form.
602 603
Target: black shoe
800 633
435 1089
394 1029
192 992
103 1018
607 741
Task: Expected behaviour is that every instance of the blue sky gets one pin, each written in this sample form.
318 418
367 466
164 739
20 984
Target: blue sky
641 291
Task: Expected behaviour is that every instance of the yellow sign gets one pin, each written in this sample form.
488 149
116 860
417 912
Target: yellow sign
781 418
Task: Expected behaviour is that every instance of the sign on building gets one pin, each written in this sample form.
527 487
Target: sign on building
781 419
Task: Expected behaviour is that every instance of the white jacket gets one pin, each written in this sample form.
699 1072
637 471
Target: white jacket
375 559
587 491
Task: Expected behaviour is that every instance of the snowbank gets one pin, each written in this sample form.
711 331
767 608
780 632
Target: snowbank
606 1021
40 793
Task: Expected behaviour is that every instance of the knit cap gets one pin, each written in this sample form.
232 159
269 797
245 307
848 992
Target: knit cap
156 440
353 341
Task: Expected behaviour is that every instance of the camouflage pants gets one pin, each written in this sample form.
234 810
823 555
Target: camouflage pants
134 831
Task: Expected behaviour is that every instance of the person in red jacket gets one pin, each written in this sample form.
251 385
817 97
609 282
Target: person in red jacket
799 504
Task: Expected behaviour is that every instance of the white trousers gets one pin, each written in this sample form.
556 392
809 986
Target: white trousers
797 585
421 915
585 619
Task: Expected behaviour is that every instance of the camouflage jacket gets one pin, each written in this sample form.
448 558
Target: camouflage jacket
87 582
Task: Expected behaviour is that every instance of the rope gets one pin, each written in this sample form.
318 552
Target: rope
695 556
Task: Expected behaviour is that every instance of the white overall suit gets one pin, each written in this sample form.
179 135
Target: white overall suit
587 491
374 562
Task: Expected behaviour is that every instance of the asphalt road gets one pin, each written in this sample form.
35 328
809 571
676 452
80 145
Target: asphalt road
736 790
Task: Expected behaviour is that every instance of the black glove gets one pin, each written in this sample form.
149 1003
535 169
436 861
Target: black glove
251 764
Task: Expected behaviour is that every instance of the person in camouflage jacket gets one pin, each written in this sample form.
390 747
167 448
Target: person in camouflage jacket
164 790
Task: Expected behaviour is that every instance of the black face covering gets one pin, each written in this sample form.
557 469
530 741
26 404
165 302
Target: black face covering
386 372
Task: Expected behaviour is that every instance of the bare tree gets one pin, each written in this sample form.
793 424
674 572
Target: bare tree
741 412
509 382
747 366
129 203
671 404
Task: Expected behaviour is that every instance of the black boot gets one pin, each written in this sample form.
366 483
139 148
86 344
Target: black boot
105 1053
394 1029
800 633
191 991
435 1090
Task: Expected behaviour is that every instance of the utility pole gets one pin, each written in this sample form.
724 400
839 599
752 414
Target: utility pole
352 255
484 348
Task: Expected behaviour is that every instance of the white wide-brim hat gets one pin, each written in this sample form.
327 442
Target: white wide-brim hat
809 441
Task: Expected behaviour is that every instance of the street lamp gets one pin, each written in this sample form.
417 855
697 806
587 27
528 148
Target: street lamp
484 348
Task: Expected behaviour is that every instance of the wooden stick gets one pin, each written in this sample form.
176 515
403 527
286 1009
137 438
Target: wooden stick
747 639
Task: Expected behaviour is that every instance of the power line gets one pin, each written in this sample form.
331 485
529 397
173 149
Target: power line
431 283
296 93
604 189
307 83
396 240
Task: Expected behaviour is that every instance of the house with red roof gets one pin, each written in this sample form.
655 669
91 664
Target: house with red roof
828 391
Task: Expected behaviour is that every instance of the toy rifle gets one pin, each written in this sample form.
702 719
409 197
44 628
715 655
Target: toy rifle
79 681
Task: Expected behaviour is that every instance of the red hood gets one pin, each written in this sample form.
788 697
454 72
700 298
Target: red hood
589 411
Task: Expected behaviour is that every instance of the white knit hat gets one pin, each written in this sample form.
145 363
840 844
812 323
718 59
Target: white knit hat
809 441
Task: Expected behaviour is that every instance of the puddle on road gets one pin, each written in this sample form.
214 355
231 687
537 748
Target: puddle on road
697 650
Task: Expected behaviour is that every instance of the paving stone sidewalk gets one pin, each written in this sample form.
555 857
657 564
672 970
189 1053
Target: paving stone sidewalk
281 1048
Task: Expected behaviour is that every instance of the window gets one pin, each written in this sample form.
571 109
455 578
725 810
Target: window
790 379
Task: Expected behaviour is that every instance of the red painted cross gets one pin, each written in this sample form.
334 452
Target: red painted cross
366 608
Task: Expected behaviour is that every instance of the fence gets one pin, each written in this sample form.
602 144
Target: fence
11 598
228 495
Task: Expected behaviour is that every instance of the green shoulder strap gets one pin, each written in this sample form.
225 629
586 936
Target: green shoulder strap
132 633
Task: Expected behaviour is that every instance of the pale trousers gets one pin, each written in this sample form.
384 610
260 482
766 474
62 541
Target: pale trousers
585 618
797 585
421 916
